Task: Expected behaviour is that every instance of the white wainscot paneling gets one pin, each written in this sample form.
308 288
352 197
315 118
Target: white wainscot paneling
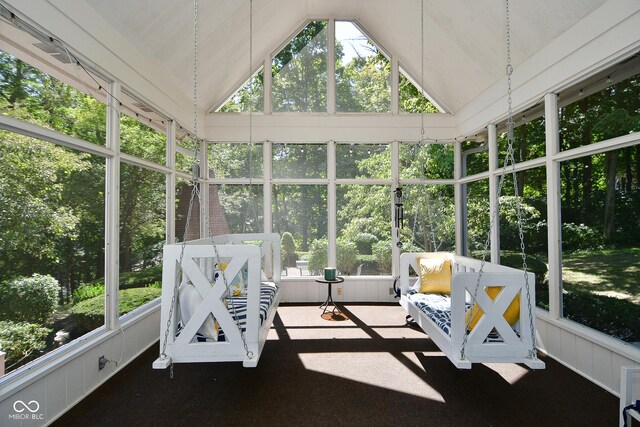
60 380
584 359
592 354
353 289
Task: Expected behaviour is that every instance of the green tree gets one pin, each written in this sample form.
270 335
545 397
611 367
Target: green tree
300 71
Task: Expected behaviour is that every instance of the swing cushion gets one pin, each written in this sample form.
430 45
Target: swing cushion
190 299
511 315
238 286
435 275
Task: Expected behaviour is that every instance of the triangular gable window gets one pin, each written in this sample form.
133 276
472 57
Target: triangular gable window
250 97
412 99
300 71
362 72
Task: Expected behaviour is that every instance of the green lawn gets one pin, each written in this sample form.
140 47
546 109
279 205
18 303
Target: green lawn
610 272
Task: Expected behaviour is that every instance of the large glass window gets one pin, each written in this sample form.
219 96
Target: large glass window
142 141
363 160
299 160
532 189
300 217
238 208
300 72
528 141
426 161
250 97
429 218
142 235
241 160
362 72
477 217
600 235
51 246
605 114
364 229
412 99
36 97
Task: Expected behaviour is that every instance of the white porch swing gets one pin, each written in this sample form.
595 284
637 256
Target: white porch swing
219 294
473 310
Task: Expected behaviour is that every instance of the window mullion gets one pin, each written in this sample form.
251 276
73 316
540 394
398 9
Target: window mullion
112 210
331 67
267 188
331 203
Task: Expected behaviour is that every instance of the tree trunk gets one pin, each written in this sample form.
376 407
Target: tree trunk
16 89
610 165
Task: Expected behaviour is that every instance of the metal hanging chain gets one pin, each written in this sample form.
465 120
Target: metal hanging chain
225 281
422 159
509 159
194 184
422 66
249 191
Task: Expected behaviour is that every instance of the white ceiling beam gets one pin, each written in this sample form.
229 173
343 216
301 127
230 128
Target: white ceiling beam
294 127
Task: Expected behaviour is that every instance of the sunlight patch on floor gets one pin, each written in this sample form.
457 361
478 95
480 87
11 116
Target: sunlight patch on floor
391 374
511 372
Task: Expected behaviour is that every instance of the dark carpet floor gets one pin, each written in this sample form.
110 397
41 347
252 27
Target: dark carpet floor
370 370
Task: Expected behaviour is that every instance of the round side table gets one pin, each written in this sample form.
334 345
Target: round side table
329 301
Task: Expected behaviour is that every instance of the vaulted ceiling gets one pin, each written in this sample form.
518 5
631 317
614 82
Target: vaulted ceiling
148 44
465 42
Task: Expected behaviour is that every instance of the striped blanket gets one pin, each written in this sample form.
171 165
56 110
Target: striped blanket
437 307
237 307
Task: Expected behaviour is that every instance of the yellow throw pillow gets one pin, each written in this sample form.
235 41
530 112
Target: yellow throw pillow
435 275
511 315
237 286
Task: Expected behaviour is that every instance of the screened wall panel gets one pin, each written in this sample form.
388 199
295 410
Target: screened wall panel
238 208
299 160
532 191
142 235
363 221
355 160
429 218
608 113
51 246
600 235
426 161
142 141
300 217
36 97
477 217
235 160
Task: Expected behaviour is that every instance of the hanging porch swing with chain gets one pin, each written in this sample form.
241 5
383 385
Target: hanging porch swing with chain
473 310
219 294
